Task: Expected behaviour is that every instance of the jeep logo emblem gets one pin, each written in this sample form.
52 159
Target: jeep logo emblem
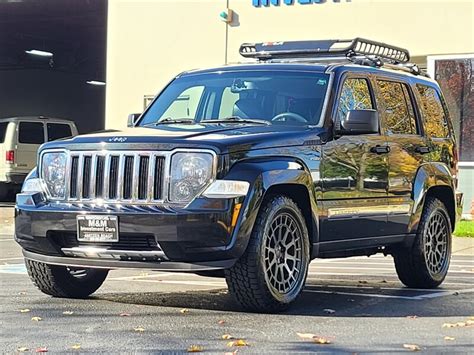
118 139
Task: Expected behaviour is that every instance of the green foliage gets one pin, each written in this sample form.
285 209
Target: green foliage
464 229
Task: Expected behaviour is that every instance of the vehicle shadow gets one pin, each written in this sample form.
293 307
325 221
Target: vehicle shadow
314 301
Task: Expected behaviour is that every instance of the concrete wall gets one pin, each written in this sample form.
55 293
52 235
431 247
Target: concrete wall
149 41
52 93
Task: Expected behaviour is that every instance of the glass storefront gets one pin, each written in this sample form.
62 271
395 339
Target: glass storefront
455 75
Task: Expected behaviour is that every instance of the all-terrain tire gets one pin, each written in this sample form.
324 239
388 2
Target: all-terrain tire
62 281
248 281
415 266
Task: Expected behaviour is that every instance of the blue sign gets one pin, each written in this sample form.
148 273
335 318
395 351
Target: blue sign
258 3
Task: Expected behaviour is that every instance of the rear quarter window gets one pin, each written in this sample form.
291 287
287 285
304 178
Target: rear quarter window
3 131
58 131
434 116
31 133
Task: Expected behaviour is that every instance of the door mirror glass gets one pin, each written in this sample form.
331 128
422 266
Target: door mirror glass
132 119
360 122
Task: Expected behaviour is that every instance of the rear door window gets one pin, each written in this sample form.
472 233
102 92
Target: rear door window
398 108
58 131
436 123
3 131
31 133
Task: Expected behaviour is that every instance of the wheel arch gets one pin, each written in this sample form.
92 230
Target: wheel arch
433 180
276 175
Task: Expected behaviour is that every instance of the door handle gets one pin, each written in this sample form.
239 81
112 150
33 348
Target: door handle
422 149
380 149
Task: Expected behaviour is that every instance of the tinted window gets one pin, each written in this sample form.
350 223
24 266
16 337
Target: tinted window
355 95
295 97
31 133
436 124
3 131
397 106
57 131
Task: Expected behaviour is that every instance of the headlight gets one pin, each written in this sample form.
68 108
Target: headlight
53 173
190 174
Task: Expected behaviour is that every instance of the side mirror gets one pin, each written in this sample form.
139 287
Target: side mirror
132 119
360 122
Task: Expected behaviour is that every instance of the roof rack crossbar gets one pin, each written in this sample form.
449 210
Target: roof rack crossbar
301 49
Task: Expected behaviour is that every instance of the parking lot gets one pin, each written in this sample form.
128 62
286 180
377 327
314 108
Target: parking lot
357 304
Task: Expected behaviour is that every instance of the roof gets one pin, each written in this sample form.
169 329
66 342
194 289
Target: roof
34 118
321 66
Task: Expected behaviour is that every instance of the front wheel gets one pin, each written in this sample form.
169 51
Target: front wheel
272 272
64 281
426 264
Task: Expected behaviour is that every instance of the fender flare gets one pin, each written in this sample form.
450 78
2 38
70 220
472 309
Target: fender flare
429 175
263 174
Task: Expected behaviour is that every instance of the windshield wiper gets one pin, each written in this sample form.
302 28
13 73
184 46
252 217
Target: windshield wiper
170 120
236 119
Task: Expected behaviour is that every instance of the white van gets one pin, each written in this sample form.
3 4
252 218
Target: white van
20 138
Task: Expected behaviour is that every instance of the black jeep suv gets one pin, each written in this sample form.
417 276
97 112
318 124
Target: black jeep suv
317 149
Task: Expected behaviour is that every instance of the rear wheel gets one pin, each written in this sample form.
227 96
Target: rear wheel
64 281
426 263
272 272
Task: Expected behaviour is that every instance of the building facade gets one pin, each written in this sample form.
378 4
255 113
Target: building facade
150 41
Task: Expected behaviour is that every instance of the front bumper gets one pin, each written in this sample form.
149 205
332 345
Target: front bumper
13 178
197 238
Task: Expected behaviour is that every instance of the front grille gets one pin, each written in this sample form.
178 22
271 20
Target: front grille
116 176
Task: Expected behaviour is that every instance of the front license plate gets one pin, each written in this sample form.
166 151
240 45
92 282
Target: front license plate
93 228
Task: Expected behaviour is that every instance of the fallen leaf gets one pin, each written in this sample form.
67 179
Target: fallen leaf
329 311
221 322
321 340
195 349
449 338
139 329
42 350
227 337
22 349
384 281
239 342
125 314
363 282
315 338
68 313
467 323
184 310
412 317
76 346
26 310
412 347
36 319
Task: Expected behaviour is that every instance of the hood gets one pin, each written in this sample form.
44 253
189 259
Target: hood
221 137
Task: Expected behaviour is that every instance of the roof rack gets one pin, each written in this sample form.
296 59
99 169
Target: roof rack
323 48
358 51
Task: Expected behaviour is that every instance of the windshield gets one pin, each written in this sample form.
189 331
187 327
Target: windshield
282 97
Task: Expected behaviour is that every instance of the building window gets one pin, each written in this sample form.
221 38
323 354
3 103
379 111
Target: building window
456 78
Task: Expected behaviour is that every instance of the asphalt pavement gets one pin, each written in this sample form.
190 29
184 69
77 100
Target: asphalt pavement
357 304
